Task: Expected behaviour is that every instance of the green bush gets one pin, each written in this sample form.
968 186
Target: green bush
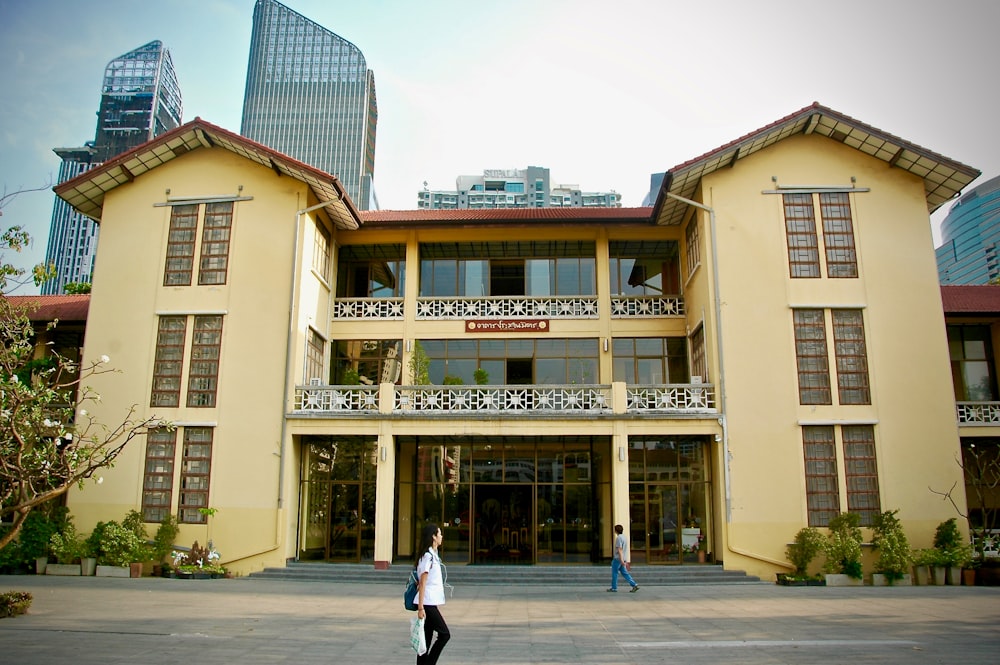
67 546
163 541
119 546
13 603
807 546
894 555
843 546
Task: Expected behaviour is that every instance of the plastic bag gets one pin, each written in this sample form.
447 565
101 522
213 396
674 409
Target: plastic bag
417 638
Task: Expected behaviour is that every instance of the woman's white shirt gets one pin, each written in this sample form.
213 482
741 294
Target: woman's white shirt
434 586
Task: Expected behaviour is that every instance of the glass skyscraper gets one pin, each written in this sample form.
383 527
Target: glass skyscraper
310 95
970 237
140 99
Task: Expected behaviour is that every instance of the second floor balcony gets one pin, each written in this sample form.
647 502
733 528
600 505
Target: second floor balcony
667 400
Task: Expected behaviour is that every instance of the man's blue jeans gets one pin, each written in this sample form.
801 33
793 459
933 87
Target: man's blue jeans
616 568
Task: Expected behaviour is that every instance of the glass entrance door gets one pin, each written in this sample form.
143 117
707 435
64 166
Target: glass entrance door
503 530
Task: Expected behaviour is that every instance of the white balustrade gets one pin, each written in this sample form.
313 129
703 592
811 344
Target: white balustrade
327 399
698 398
978 413
645 307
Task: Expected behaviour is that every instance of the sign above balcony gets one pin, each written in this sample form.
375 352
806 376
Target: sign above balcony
507 325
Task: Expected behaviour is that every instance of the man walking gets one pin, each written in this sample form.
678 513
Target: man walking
619 561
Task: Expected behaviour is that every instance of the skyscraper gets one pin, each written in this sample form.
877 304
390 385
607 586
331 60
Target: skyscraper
140 99
311 96
970 237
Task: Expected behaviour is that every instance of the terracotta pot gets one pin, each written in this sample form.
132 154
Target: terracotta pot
969 576
135 570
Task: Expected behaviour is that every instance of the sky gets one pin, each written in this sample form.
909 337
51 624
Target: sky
601 93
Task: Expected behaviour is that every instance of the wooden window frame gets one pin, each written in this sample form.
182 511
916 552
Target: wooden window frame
158 474
699 364
838 235
315 351
216 233
861 472
166 367
819 449
196 469
801 237
179 263
852 356
813 364
206 350
321 252
692 245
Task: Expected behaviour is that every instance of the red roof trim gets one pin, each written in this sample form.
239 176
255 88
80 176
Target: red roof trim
971 299
50 308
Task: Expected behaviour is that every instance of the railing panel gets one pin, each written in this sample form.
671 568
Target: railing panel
503 399
368 308
508 307
645 307
670 398
337 399
978 413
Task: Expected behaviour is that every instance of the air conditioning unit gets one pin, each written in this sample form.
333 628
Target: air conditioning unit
315 382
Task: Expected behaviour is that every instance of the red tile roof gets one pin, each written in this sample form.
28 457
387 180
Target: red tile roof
430 216
971 299
49 308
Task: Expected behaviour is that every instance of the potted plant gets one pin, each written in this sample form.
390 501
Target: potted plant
68 548
893 548
924 561
807 546
35 536
952 551
119 547
843 551
198 563
163 540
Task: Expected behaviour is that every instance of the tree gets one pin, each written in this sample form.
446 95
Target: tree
980 464
48 441
77 288
17 240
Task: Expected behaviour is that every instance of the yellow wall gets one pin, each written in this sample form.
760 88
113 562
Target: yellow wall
912 403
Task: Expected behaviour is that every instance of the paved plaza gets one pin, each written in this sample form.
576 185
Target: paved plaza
105 621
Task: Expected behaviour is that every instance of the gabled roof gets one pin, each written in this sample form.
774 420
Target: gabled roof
970 299
42 309
479 216
943 178
86 191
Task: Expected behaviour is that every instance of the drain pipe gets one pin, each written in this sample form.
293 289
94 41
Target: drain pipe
718 341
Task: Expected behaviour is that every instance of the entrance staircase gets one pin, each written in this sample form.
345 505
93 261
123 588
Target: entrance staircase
581 575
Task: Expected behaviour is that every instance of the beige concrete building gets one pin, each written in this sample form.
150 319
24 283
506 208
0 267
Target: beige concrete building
759 351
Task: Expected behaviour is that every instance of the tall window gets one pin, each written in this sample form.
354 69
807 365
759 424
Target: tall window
196 465
822 491
214 251
215 243
699 366
169 361
692 245
158 478
203 371
650 361
645 268
971 351
803 238
861 472
838 235
321 252
371 271
314 356
811 356
852 357
800 231
180 245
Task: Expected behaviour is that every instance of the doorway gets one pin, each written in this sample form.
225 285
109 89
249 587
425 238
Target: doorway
502 524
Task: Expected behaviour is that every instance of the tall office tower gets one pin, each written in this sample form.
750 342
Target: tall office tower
513 188
140 99
311 96
971 237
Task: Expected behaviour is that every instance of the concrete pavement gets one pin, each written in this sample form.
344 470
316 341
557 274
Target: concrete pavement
104 621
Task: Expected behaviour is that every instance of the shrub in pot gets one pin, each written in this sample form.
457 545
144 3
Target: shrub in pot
808 544
67 546
894 557
843 546
118 546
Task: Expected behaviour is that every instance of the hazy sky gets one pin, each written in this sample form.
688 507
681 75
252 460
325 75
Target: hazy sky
602 93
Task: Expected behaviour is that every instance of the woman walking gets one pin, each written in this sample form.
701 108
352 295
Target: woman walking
430 594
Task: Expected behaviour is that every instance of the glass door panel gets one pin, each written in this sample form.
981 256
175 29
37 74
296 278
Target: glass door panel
551 528
344 522
663 524
580 539
456 525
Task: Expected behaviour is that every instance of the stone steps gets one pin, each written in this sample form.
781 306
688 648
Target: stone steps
582 575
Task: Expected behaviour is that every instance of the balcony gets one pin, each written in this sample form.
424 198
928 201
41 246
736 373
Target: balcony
539 400
978 413
542 307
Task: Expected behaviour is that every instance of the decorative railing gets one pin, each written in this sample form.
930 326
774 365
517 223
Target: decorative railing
672 399
368 308
508 307
978 413
505 399
337 399
638 307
